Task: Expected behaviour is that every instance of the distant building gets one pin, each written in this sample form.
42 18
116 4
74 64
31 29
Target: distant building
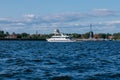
96 36
12 36
110 37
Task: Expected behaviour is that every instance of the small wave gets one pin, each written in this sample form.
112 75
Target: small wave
61 78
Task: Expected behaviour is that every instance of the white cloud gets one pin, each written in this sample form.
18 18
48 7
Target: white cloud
74 22
113 22
103 12
63 17
29 16
4 19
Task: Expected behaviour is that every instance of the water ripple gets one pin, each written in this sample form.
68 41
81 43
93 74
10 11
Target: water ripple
40 60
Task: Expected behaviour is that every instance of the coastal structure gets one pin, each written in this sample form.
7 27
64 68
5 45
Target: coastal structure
12 36
91 33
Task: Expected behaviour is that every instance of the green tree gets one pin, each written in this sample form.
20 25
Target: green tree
7 34
102 35
86 35
25 35
19 36
116 35
75 35
2 35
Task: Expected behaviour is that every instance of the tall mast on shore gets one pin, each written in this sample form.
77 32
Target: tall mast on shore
91 32
36 32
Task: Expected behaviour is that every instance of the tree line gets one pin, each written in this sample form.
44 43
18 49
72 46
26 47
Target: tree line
7 35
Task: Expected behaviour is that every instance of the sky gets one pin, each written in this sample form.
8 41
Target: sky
69 16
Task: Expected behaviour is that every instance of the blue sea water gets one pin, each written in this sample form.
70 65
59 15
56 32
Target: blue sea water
41 60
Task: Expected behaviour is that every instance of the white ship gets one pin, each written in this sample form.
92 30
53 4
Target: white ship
59 37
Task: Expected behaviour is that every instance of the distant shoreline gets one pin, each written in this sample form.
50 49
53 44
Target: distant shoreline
25 39
77 40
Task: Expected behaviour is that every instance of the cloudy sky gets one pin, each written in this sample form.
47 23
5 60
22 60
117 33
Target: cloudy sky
70 16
